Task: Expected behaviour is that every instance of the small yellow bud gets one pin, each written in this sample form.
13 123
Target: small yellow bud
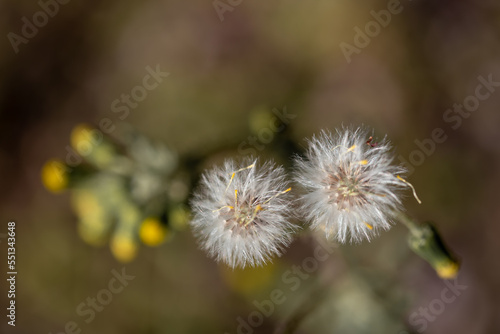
55 176
85 202
152 232
447 270
81 139
92 234
425 240
123 248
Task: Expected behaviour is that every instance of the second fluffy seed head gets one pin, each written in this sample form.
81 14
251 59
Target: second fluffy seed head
352 186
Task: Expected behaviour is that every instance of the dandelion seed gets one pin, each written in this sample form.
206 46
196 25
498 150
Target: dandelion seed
241 213
352 189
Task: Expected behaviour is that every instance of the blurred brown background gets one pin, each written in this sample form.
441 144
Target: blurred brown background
261 55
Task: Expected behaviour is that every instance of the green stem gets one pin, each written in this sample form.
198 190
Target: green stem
414 227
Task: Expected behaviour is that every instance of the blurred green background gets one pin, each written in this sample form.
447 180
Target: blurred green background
261 56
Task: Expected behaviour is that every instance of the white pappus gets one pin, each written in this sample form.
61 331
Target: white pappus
241 212
352 188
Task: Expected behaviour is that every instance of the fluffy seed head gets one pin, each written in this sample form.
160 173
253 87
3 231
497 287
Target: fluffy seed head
241 213
352 187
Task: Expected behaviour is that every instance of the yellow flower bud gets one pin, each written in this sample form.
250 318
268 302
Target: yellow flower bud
92 233
425 240
55 176
91 144
124 248
152 232
447 270
81 138
85 202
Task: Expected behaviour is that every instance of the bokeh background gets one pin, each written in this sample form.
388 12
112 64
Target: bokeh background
261 56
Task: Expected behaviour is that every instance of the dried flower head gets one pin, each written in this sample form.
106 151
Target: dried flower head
241 213
352 187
